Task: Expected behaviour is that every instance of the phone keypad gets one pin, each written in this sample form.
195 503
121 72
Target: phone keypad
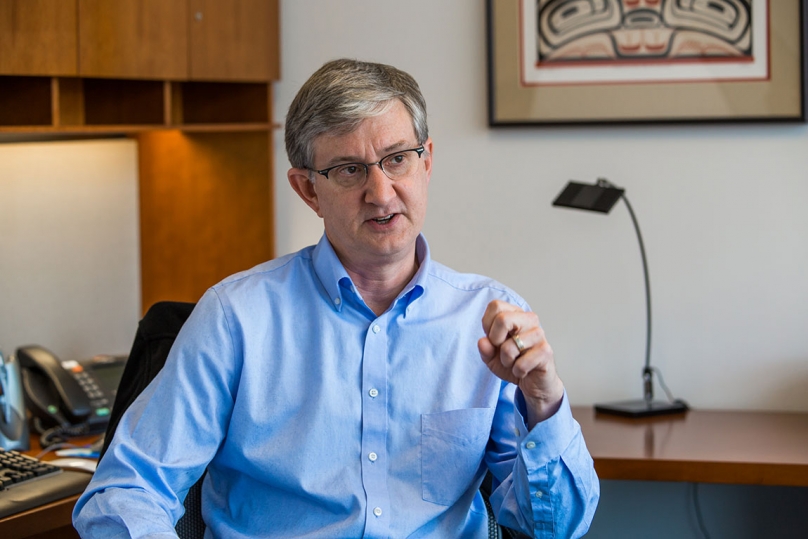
90 387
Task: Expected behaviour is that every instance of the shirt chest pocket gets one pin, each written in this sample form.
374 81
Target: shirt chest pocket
452 448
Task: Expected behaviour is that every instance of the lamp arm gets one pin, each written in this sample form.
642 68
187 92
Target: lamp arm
647 372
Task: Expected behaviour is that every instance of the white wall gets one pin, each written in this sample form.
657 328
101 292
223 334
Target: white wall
721 209
69 254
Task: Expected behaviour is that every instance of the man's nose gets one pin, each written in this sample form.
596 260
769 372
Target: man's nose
378 187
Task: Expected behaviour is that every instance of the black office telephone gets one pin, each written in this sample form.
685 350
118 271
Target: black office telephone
65 394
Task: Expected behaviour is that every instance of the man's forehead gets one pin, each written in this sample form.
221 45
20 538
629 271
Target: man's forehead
387 132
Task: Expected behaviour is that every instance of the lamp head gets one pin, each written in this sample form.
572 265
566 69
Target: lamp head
600 197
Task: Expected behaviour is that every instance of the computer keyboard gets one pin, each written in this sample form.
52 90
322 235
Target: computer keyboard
16 468
26 482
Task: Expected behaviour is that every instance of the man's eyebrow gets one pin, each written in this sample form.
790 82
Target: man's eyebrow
339 160
401 144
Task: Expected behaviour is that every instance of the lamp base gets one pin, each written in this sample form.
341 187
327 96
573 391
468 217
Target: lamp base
642 408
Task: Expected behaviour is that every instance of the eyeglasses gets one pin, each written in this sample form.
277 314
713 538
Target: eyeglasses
395 166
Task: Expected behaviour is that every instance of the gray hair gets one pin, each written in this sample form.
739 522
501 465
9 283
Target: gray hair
342 93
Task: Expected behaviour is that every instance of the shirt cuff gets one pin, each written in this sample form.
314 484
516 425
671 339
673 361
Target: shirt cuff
549 438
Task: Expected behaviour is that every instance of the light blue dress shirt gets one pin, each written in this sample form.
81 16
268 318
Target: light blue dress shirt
317 418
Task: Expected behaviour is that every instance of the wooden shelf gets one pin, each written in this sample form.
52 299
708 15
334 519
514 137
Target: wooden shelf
220 102
73 105
26 101
123 102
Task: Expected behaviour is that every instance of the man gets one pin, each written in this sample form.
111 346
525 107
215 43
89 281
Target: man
339 391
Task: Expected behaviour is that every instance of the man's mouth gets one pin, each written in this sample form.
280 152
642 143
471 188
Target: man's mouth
384 220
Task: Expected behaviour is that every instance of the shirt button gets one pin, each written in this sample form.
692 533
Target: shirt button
539 494
373 392
372 456
516 431
530 445
376 328
377 511
337 301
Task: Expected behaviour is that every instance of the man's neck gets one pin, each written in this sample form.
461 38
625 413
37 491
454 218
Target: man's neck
380 285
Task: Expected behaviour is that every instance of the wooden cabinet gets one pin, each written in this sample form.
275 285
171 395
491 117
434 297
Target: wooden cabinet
228 40
222 40
198 101
204 40
38 37
134 65
133 39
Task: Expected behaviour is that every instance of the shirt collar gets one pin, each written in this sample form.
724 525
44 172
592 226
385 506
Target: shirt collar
331 272
415 288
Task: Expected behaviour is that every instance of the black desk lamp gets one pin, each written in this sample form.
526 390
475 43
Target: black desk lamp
602 197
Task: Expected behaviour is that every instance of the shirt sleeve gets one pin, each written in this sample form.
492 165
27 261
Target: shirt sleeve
547 487
140 484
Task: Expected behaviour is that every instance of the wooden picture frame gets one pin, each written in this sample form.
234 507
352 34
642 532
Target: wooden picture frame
537 75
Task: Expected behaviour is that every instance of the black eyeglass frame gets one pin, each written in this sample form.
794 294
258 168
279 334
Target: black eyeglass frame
419 150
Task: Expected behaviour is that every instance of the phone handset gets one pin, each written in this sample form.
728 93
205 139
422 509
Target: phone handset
52 393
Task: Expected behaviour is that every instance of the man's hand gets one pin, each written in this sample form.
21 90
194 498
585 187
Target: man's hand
506 327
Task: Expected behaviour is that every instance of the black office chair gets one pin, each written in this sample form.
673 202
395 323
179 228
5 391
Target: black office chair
155 335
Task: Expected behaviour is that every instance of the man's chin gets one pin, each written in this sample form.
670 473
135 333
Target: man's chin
391 247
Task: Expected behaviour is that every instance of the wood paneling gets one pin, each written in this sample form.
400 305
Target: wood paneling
38 37
233 40
205 210
133 38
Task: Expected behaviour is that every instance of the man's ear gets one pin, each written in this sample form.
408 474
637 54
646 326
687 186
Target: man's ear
428 158
299 180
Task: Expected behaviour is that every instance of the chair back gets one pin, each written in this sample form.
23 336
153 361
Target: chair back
155 335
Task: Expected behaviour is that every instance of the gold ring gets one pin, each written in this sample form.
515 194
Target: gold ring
519 344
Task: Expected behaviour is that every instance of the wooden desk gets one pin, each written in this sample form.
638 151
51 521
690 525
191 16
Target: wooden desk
754 448
52 520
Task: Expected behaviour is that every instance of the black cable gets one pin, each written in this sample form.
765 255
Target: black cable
662 383
55 447
697 507
62 433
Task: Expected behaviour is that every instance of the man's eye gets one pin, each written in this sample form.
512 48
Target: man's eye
348 171
395 160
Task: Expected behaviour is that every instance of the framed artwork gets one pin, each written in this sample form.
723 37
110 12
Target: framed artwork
641 61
